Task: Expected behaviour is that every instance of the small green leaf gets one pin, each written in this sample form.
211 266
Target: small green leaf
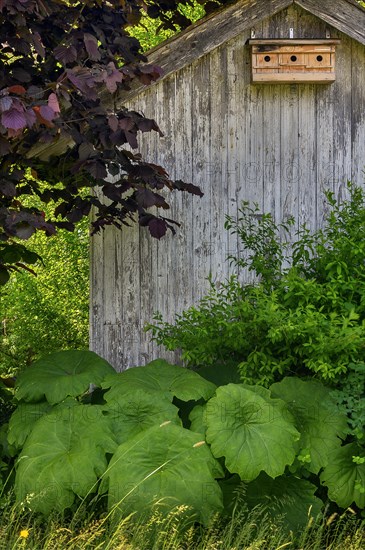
252 431
62 374
63 456
138 411
316 417
345 477
168 464
160 376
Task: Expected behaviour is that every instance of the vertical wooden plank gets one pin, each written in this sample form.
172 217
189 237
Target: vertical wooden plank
218 163
236 80
358 114
327 172
308 27
343 115
250 145
200 146
149 144
246 177
307 158
183 292
97 289
271 151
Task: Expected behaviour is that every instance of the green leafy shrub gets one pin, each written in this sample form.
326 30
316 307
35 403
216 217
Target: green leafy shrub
304 315
49 312
132 442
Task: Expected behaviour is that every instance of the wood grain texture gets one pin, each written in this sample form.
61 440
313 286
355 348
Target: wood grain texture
280 146
344 15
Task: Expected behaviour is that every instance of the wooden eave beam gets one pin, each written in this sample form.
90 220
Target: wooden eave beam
207 34
346 16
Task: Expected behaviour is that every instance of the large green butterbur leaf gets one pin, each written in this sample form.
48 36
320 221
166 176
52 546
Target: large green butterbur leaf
168 464
23 419
138 411
197 418
252 431
160 376
345 476
286 497
62 374
316 417
63 456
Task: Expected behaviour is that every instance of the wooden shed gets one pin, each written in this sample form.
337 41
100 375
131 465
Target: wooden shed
279 140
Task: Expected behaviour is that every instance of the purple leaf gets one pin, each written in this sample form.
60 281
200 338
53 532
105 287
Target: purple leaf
157 228
7 188
75 215
96 169
112 192
86 150
65 54
189 187
37 42
126 123
5 103
13 119
47 112
4 147
132 140
24 231
21 75
147 124
112 77
53 103
91 45
83 80
113 122
147 198
30 117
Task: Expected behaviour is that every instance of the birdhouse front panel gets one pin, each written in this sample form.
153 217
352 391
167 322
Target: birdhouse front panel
293 61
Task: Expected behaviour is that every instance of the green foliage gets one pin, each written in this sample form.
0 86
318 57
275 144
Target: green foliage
279 498
149 32
244 422
169 464
71 373
304 315
320 425
351 398
345 476
121 410
63 457
160 376
133 441
49 312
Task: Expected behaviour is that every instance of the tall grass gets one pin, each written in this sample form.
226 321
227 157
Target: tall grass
24 530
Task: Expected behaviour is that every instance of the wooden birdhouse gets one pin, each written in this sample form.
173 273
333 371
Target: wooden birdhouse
290 60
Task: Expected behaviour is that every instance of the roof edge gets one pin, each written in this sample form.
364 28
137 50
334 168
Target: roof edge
208 33
346 16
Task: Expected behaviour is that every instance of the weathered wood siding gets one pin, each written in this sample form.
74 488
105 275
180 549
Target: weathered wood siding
278 145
